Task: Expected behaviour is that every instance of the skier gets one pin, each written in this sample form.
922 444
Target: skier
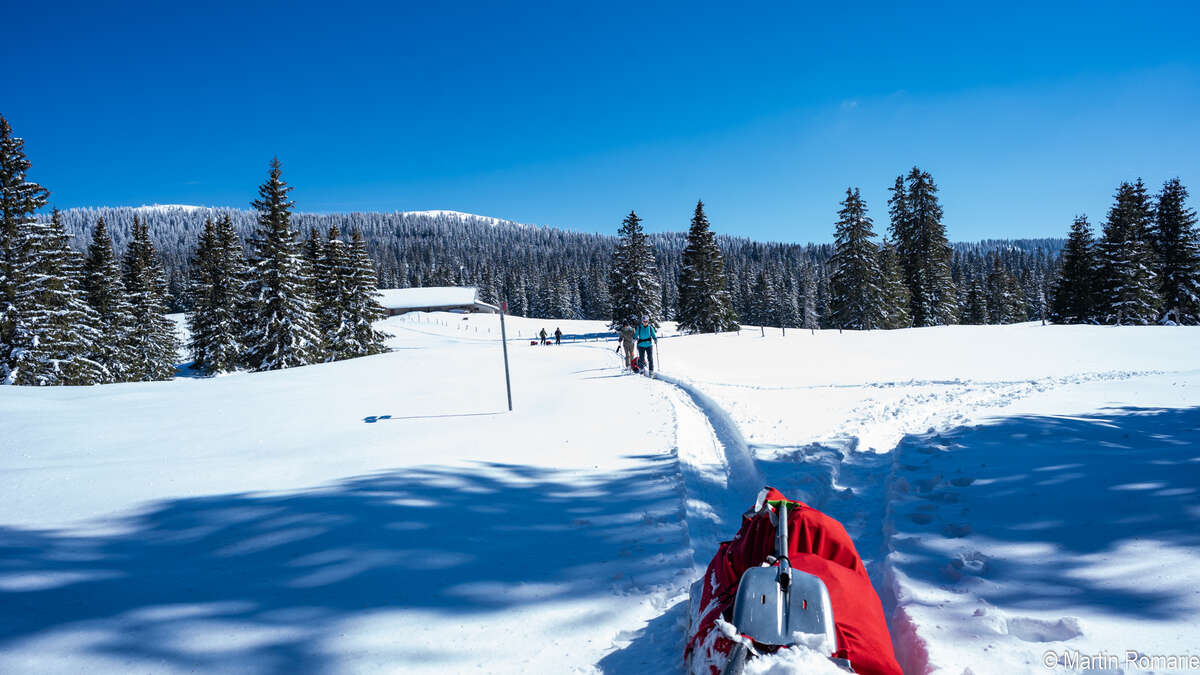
557 336
646 340
628 336
543 335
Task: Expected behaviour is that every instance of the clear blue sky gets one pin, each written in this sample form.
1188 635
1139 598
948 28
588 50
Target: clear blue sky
573 113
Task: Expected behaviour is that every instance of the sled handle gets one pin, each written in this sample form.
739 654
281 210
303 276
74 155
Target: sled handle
781 546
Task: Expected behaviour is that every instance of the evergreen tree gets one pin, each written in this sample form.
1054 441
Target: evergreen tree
1127 283
153 344
977 307
1177 244
105 293
365 308
895 292
1074 289
218 270
856 300
1004 301
633 283
787 311
923 249
62 334
283 331
703 301
765 299
809 312
335 289
19 200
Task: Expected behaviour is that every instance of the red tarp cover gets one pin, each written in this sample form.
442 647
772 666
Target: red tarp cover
818 545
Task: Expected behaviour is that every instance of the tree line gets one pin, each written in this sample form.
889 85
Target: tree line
1144 269
68 318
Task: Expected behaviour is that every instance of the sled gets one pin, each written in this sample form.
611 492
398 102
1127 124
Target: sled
790 579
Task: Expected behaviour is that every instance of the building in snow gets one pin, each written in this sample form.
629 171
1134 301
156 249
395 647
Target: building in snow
433 299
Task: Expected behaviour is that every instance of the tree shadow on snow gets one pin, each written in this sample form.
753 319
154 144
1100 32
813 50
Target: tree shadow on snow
276 573
1038 501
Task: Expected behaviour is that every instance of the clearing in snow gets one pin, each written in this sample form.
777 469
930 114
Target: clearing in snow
1014 491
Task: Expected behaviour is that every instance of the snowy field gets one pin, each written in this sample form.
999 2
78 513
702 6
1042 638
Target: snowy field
1014 491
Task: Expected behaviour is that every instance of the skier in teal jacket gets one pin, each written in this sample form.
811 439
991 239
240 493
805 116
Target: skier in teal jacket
646 337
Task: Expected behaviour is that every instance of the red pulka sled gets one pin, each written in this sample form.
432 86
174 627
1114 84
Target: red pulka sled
781 581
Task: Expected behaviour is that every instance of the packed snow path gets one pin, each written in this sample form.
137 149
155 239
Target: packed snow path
1014 490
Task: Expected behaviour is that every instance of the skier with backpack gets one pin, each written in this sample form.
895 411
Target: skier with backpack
627 339
647 339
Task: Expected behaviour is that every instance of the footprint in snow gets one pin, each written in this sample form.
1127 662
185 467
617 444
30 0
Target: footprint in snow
1040 630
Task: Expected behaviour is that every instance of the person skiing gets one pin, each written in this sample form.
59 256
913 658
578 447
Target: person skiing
557 336
646 340
628 337
543 335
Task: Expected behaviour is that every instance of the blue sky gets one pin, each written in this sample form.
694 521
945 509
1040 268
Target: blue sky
573 113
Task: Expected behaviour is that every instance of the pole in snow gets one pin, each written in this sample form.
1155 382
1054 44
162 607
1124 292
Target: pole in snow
504 343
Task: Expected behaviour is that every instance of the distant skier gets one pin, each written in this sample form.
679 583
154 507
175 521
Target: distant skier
628 337
543 335
647 339
557 336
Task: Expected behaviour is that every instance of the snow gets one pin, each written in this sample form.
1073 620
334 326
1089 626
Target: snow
1014 491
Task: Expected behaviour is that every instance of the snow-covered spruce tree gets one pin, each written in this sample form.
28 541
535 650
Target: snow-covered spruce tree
633 283
311 253
283 331
1074 291
106 295
20 199
895 292
1004 302
856 300
787 310
924 251
977 308
62 339
334 285
1177 244
1126 282
152 340
765 299
703 300
365 308
809 314
218 270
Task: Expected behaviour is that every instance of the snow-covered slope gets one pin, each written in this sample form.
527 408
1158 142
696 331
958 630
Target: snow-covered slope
1014 490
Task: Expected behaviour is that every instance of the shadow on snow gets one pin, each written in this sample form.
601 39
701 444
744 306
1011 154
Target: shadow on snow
449 541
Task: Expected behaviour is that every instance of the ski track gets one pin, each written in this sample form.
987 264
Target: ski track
720 472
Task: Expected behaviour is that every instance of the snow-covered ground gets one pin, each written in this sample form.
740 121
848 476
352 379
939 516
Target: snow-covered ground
1014 490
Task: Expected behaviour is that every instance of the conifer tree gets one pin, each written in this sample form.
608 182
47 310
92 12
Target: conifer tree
1074 288
856 300
365 308
633 283
335 288
218 271
63 338
894 291
20 199
764 299
1004 301
1128 285
153 343
703 300
283 331
923 249
1177 244
977 307
787 310
810 317
105 293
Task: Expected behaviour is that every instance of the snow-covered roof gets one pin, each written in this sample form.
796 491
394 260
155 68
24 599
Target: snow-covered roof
434 296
